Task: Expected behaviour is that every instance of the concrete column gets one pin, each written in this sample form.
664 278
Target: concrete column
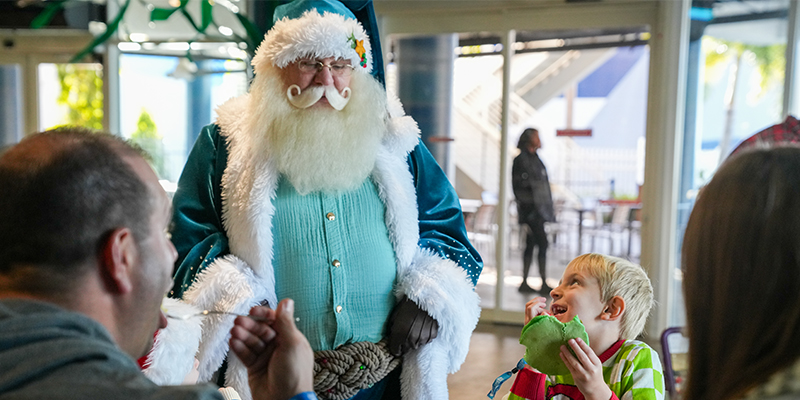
10 110
791 83
425 86
199 95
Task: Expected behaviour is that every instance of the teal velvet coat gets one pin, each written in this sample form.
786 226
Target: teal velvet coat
199 236
222 231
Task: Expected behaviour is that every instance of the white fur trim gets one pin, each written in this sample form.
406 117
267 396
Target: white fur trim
313 35
396 189
442 288
424 375
227 284
403 133
248 187
393 104
174 347
236 377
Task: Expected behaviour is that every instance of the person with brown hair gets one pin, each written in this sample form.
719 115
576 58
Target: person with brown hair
85 264
741 264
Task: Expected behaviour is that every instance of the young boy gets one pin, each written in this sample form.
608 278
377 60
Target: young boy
612 297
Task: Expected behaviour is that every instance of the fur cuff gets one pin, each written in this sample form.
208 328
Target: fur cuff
418 380
442 288
174 347
237 378
228 284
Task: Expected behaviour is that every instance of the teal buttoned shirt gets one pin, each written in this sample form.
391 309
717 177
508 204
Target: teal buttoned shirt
334 258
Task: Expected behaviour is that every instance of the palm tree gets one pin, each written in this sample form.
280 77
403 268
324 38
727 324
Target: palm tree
719 53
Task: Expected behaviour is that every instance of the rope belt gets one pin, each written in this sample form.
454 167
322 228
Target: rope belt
339 374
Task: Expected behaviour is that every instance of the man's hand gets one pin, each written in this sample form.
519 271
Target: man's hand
410 327
586 370
279 360
534 308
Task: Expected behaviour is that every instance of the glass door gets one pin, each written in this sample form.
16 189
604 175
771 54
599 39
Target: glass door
592 207
738 68
589 107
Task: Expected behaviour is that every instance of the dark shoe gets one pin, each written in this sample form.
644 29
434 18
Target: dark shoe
545 290
524 288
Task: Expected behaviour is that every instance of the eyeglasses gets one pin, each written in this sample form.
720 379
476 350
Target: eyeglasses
339 68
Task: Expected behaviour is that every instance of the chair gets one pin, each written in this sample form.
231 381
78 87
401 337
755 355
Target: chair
674 349
483 230
634 225
611 227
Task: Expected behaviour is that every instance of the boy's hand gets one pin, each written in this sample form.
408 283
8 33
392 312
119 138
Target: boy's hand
586 370
534 308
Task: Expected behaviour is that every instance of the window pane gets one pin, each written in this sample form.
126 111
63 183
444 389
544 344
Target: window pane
70 94
739 91
166 100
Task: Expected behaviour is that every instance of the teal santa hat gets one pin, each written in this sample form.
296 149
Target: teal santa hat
320 29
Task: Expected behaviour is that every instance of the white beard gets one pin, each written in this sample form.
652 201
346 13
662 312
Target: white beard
319 148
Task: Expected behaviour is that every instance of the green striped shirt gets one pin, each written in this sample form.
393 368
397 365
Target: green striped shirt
632 371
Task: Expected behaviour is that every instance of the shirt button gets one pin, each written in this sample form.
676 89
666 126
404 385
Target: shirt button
336 263
338 309
330 216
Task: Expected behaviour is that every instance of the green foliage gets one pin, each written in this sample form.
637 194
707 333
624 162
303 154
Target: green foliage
252 39
148 138
770 60
146 127
50 11
110 29
82 94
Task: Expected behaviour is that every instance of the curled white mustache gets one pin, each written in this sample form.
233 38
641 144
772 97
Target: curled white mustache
312 94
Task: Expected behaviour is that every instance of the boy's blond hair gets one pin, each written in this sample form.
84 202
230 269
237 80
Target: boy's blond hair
619 277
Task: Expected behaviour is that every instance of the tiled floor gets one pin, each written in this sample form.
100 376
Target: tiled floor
493 350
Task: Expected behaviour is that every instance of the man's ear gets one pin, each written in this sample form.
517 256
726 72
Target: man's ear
614 309
119 259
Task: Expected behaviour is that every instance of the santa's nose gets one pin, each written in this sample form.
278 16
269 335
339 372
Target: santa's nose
324 77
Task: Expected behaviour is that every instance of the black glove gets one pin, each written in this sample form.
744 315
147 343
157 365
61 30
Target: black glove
410 327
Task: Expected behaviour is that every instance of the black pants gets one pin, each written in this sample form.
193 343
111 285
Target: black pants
535 236
392 391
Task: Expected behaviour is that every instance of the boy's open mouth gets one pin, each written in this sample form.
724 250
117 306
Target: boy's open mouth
557 309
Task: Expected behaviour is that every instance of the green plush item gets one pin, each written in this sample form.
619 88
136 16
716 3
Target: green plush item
543 337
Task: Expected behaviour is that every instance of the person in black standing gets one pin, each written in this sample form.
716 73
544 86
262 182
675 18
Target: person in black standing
534 204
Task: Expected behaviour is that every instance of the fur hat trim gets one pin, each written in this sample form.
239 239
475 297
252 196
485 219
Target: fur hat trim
315 35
